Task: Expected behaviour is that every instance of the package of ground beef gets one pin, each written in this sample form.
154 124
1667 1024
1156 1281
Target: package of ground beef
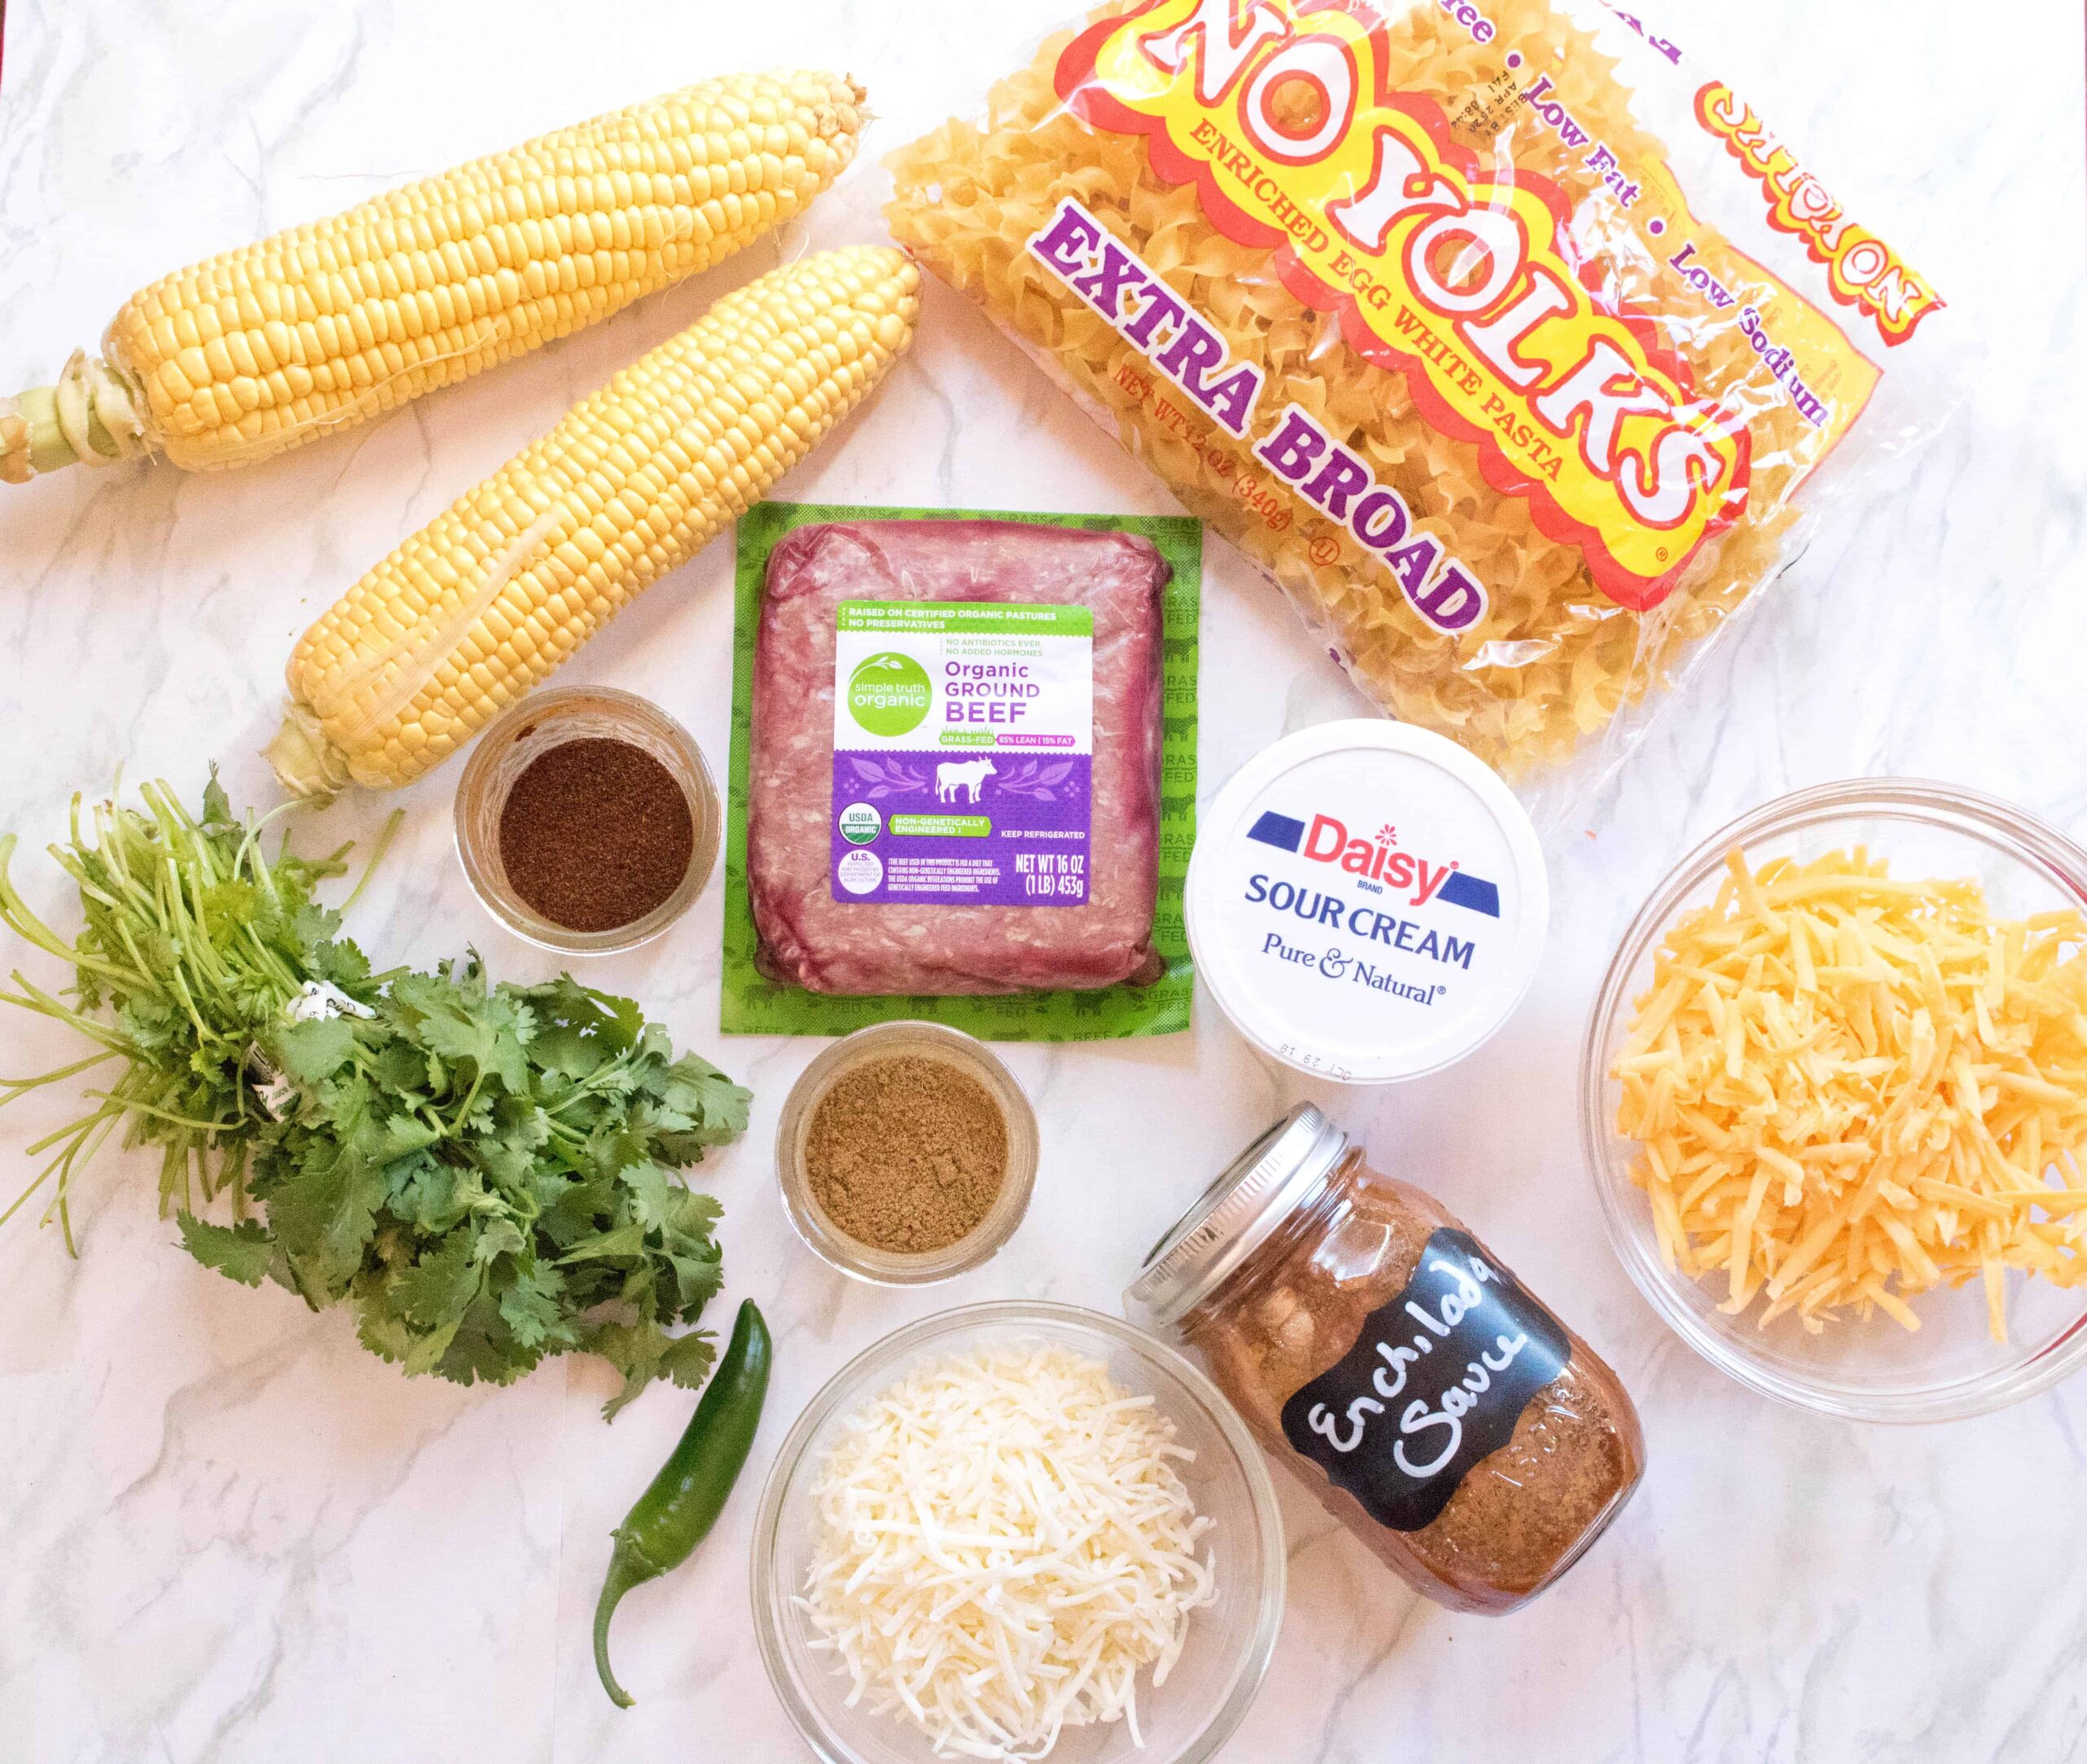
956 782
1512 344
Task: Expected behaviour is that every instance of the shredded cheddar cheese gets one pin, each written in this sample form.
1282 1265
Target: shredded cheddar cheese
1848 1090
1004 1542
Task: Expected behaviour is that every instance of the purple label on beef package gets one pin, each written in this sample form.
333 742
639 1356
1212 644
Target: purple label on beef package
963 762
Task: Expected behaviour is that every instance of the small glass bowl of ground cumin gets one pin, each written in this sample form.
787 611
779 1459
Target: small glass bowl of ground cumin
587 820
907 1152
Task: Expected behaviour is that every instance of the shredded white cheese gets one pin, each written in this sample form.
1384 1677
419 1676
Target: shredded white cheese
1004 1541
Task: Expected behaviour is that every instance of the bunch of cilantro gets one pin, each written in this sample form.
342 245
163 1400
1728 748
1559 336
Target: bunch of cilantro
485 1174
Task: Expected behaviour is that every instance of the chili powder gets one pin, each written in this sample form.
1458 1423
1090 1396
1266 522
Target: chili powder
595 834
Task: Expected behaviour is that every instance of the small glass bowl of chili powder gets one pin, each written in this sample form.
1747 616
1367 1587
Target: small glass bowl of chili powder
907 1152
587 820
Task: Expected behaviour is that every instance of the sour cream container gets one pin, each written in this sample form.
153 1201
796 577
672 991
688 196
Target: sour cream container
1367 901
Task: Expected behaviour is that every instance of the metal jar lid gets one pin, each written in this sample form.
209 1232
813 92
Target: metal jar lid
1283 1171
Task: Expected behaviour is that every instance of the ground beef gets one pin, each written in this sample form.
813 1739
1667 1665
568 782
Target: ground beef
809 939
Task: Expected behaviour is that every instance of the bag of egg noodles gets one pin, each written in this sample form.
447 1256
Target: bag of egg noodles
1514 346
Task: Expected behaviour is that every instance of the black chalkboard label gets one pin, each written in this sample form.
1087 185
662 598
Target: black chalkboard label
1435 1382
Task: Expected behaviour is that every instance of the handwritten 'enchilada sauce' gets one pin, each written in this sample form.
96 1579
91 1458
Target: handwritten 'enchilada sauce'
1437 1382
1455 1425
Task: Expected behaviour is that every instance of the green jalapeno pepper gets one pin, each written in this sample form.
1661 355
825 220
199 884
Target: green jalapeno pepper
682 1503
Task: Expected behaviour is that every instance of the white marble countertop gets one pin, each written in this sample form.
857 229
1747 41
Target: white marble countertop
232 1535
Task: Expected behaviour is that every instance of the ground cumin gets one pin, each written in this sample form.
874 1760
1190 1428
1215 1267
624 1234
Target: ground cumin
906 1154
595 834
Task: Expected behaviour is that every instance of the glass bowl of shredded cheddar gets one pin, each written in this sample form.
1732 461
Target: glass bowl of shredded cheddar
1834 1098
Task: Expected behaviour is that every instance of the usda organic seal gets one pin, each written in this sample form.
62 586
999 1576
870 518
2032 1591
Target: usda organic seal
860 823
1367 901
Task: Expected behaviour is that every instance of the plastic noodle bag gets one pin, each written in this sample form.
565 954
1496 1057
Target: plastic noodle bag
1513 395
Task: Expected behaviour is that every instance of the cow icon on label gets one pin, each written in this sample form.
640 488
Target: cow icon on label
955 777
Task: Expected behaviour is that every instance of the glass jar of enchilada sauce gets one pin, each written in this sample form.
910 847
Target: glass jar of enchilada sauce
1452 1424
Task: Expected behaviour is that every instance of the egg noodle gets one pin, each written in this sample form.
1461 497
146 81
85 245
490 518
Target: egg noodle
1405 299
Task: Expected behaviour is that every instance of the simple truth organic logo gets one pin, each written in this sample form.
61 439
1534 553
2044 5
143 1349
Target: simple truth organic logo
889 695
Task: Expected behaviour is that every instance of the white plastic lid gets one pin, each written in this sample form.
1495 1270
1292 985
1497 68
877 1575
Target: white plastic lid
1367 901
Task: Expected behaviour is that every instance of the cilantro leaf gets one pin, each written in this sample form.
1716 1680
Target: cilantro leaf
636 1350
401 1069
652 1192
311 1051
498 1237
437 1290
324 1214
382 1331
488 1030
329 957
687 1359
240 1252
644 1351
696 1279
625 1240
429 1195
482 1348
404 1135
530 1307
580 1031
694 1214
717 1107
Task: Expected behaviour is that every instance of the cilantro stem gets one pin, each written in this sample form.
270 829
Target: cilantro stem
470 1097
34 997
21 1086
16 1205
81 1153
248 856
76 1133
196 972
391 826
138 1105
71 1127
21 919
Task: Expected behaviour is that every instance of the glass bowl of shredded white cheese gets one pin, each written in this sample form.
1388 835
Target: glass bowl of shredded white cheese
1018 1531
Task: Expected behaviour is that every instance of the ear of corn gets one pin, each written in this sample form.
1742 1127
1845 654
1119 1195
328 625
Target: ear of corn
489 597
263 348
